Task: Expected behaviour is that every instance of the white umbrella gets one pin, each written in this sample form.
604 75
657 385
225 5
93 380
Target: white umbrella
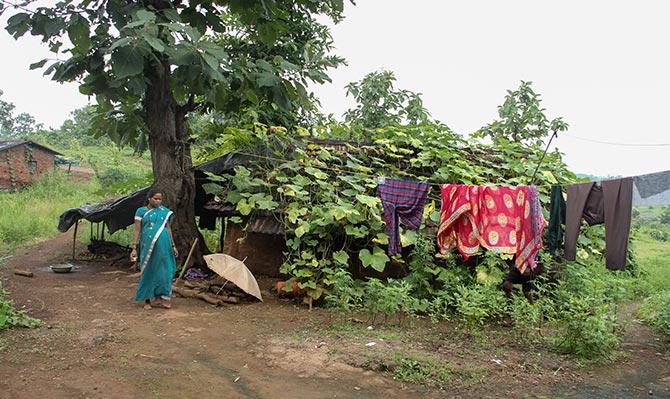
235 271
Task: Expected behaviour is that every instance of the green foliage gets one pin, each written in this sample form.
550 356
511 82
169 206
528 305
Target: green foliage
15 126
659 235
665 216
522 119
526 317
325 197
379 104
32 214
656 312
253 58
429 371
588 330
346 293
476 304
10 317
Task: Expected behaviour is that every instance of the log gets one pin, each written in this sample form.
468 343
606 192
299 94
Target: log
24 273
209 298
187 293
232 291
195 285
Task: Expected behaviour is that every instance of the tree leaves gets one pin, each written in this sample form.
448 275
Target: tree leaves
127 61
38 64
78 31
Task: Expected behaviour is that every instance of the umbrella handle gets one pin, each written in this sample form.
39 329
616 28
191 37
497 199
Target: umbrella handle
224 284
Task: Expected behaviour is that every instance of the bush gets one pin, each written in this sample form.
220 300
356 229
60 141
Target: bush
476 303
586 331
526 317
659 235
656 312
113 175
665 216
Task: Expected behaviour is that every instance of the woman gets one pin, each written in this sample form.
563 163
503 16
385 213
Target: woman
157 252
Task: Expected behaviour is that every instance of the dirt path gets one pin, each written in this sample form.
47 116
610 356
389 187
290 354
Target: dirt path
96 343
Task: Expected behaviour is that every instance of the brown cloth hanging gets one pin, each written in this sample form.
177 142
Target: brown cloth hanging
611 203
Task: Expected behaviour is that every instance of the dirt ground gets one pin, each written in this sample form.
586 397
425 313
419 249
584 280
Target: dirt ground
96 343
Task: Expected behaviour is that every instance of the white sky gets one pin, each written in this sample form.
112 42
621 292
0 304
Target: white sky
602 65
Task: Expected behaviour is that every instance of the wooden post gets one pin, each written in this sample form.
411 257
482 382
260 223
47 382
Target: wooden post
74 240
69 166
188 259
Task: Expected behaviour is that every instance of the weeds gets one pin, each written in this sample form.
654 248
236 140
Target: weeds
10 317
656 312
32 214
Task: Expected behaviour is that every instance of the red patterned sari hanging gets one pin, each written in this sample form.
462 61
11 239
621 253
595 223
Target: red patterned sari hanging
502 219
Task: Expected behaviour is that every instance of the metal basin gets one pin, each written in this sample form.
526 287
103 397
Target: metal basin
61 268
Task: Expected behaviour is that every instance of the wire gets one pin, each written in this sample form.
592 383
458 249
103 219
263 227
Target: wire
619 144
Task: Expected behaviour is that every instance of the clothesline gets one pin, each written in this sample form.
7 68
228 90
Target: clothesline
615 143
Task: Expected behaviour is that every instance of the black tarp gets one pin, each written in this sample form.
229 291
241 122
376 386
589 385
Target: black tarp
116 214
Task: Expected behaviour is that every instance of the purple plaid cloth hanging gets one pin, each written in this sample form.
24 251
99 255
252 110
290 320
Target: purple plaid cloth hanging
402 200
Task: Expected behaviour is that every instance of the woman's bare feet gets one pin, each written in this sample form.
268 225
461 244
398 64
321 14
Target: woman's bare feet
165 304
147 306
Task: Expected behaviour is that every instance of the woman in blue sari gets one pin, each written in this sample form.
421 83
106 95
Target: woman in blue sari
157 252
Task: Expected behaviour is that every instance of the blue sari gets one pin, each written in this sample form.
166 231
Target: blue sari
156 257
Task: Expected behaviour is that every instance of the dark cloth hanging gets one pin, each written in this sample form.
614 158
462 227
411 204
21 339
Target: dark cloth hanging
652 184
402 200
207 220
609 203
556 220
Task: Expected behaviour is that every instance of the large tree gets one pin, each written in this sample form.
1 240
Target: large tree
15 126
522 119
379 104
150 63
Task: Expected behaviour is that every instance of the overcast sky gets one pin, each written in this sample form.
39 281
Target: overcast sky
602 65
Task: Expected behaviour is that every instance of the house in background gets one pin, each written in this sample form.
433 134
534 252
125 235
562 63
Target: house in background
21 162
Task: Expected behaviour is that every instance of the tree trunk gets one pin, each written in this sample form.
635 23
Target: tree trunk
171 157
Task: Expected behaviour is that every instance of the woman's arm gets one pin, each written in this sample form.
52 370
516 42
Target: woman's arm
174 247
136 236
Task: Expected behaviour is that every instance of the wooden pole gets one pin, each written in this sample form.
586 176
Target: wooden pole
74 240
188 259
222 237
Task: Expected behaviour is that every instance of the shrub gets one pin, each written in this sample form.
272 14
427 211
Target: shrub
587 330
656 312
659 235
113 175
526 317
476 303
665 216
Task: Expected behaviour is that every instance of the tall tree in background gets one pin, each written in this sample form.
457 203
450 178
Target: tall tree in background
379 104
150 63
522 119
15 126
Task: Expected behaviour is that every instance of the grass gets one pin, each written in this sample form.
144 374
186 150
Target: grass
427 370
654 259
31 215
